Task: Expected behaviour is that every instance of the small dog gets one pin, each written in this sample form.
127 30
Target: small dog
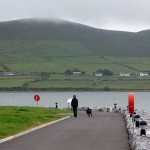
89 112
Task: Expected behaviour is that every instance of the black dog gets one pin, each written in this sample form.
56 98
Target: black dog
89 112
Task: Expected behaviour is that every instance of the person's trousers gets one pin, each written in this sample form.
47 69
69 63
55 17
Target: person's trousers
75 112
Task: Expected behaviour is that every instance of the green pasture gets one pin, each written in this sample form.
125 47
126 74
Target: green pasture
23 50
62 81
15 81
17 119
55 57
86 64
61 84
132 64
8 83
71 77
95 83
123 85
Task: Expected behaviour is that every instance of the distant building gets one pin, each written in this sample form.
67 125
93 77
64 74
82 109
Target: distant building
9 73
98 74
124 74
76 73
144 74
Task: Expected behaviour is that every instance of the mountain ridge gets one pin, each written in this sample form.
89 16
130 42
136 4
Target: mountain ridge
99 41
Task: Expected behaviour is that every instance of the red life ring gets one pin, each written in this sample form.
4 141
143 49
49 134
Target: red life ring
36 97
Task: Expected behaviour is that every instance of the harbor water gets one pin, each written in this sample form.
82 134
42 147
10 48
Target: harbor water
86 99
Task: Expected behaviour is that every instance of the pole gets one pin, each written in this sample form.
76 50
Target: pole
133 123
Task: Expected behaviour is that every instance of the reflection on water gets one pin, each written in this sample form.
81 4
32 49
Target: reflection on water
90 99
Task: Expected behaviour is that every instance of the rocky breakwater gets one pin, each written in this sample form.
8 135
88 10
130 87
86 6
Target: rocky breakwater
138 127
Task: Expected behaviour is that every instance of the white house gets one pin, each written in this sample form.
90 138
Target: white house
144 74
98 74
76 73
124 74
9 73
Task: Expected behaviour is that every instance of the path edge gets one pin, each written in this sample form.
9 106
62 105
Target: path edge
31 130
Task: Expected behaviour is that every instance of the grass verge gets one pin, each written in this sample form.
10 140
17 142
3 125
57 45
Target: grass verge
15 119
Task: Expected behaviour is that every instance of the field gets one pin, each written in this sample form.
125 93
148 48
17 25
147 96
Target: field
42 64
17 119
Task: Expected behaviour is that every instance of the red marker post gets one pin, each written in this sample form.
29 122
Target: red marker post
131 107
37 98
131 103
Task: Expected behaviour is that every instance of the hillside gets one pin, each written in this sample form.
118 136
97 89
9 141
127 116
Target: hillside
95 41
39 52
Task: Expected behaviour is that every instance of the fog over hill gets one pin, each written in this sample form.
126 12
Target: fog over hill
98 41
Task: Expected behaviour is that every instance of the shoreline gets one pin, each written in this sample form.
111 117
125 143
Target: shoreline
70 89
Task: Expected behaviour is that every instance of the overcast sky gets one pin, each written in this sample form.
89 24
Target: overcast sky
124 15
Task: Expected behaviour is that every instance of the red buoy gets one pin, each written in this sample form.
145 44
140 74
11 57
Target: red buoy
131 103
36 97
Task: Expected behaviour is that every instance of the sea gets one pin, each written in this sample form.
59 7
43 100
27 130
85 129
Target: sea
85 99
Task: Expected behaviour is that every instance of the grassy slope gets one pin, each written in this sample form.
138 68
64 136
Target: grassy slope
90 63
17 119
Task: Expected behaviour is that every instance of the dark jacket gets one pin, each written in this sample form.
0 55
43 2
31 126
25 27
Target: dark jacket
74 103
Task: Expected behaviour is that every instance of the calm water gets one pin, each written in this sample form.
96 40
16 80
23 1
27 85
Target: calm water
90 99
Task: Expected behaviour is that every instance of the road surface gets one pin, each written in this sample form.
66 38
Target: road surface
102 131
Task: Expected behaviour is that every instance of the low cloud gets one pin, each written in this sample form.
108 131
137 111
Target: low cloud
130 15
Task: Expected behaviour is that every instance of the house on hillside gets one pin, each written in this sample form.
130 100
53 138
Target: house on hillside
76 73
144 74
124 74
98 74
9 73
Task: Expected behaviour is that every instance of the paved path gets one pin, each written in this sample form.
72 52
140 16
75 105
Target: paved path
103 131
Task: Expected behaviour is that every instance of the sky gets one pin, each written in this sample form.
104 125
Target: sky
122 15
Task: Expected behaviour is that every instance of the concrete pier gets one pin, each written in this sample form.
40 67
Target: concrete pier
102 131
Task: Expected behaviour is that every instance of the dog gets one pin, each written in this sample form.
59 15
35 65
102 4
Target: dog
89 112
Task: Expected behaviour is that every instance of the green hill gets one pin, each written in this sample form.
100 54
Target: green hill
96 41
40 51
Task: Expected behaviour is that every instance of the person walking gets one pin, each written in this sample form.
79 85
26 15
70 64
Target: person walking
74 105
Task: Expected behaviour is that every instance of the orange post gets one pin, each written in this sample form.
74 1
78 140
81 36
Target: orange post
131 108
131 103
